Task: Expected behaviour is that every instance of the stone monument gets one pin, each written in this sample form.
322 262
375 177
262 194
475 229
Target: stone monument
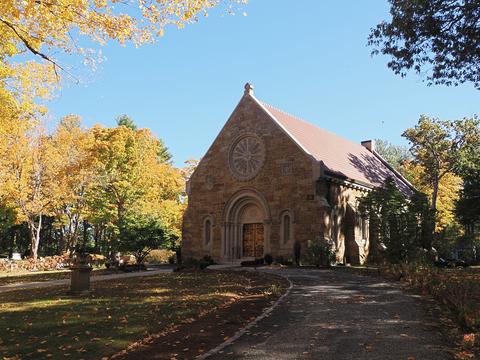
80 277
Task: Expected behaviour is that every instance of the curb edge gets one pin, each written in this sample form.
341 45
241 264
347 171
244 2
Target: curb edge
243 330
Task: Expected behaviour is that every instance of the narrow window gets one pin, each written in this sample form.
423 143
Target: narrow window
335 227
286 228
364 228
208 231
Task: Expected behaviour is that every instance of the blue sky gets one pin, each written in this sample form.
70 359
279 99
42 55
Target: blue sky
306 57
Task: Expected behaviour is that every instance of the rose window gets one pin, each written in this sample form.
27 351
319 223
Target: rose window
247 155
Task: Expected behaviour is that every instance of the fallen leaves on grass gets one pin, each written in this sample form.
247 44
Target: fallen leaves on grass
114 315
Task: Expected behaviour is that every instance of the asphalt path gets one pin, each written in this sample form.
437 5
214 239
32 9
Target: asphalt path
341 315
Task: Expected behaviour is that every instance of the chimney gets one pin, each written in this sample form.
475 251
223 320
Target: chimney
369 144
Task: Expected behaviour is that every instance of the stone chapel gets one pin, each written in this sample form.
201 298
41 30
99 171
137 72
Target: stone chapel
270 179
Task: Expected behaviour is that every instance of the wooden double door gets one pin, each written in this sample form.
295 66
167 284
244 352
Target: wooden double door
253 239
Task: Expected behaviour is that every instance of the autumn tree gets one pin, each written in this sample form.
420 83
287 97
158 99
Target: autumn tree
75 176
449 189
437 145
29 174
48 29
439 38
45 174
121 155
132 181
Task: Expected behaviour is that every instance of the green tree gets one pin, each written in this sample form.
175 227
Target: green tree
319 253
468 206
401 224
7 220
439 38
140 235
163 153
395 155
127 121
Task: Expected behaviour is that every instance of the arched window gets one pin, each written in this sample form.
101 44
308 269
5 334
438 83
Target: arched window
207 231
334 227
362 225
364 228
286 228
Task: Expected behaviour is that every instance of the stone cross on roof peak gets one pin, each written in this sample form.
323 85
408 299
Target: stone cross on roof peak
248 89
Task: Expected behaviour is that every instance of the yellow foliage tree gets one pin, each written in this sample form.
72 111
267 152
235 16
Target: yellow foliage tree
132 179
45 27
29 176
53 174
448 192
75 175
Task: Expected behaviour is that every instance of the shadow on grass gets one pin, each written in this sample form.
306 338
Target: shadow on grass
48 323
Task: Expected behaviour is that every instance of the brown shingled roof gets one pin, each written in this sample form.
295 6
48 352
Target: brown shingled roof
341 157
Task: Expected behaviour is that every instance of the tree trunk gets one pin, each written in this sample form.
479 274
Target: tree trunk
96 234
434 196
12 243
434 207
85 234
35 235
120 212
72 233
61 240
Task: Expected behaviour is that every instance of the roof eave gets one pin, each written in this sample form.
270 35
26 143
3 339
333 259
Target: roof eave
345 180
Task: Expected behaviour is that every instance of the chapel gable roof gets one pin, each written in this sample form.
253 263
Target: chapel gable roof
340 157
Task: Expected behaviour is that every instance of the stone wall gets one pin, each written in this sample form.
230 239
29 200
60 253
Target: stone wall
343 205
287 181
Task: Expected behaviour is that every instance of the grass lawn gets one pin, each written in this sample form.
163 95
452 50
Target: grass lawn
29 276
48 323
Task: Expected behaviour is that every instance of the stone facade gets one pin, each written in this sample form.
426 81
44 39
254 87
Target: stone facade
257 191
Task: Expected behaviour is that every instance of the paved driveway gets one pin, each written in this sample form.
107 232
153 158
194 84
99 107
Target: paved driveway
339 315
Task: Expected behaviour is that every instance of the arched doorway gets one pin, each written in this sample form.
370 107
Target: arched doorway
246 229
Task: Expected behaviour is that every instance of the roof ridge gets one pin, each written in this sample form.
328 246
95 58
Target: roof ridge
357 150
291 115
309 123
